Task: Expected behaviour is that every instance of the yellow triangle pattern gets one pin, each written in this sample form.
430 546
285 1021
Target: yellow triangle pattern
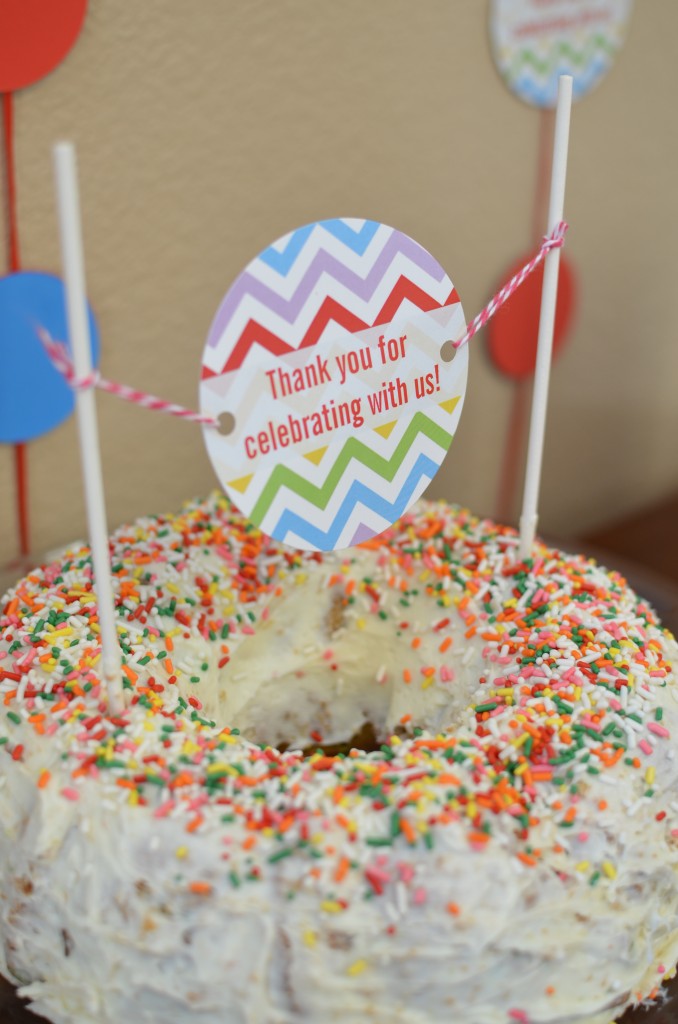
385 429
450 405
316 456
242 483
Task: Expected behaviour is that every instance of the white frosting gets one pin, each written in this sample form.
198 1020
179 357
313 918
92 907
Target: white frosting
98 919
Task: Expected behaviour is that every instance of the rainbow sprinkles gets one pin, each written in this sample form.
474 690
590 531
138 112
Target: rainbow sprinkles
507 851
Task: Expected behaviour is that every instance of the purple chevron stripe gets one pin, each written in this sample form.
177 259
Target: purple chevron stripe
363 533
323 262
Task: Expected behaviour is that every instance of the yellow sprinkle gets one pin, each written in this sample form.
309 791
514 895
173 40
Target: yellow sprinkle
583 865
518 742
357 968
427 682
331 907
650 774
521 769
360 623
310 938
181 852
609 869
133 798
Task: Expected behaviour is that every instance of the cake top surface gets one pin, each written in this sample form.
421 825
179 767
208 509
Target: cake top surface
573 669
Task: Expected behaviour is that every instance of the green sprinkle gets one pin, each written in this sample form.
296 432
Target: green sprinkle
280 855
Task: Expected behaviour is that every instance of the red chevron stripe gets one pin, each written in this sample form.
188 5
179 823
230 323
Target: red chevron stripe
405 289
331 310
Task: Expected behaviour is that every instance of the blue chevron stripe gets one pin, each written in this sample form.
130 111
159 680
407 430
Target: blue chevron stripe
357 241
358 493
544 92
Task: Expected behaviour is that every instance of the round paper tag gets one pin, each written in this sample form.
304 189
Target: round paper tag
324 366
536 41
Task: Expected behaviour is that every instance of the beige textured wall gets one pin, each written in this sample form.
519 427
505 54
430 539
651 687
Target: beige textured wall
205 130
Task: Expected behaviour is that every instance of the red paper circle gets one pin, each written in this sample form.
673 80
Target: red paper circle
35 36
512 333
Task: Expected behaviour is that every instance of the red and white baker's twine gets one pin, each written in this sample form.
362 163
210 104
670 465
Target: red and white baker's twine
553 241
61 360
59 355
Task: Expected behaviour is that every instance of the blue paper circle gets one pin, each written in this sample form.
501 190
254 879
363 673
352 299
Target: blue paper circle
34 397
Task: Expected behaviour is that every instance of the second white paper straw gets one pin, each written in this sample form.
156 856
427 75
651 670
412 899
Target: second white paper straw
549 295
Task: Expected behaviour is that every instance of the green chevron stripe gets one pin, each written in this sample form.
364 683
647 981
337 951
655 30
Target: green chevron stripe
528 58
282 476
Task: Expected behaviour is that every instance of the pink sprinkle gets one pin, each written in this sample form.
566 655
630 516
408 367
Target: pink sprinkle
520 1015
645 747
70 794
658 730
615 705
406 871
163 810
265 614
446 674
328 654
420 896
660 969
582 837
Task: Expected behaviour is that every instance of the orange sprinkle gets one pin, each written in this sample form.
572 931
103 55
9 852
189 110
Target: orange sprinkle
341 869
526 859
453 908
407 675
447 642
448 779
44 779
416 642
195 823
130 673
248 842
200 888
408 830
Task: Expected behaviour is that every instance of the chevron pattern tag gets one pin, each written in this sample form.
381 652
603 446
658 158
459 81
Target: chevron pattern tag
536 41
326 354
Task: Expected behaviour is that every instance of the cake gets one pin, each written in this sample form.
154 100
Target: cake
420 780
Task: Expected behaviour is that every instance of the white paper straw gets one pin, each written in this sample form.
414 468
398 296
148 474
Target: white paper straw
549 294
78 325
